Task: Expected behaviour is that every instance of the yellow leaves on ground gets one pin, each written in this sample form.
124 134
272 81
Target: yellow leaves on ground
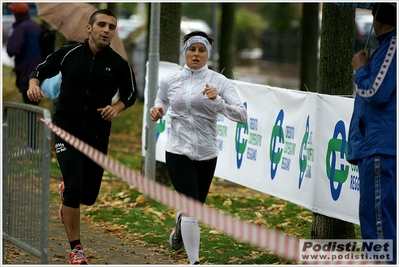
277 207
119 200
259 219
140 199
149 210
215 232
306 216
227 202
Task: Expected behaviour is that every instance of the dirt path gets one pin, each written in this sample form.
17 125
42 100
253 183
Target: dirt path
105 243
102 244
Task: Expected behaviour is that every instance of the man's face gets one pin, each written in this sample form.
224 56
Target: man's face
103 30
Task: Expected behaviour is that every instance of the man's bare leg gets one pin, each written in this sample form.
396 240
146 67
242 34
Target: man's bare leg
71 222
72 226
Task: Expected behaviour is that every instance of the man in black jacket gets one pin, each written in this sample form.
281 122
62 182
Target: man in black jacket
92 73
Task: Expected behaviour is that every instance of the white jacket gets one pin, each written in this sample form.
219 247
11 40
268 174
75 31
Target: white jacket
194 116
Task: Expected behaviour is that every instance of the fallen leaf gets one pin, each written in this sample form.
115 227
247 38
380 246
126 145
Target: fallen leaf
227 202
57 256
140 199
214 232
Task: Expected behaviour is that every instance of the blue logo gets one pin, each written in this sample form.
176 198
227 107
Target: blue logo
241 143
276 138
337 148
303 159
160 127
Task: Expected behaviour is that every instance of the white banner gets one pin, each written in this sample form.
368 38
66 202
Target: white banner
293 146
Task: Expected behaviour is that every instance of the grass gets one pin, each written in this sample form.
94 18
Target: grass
152 222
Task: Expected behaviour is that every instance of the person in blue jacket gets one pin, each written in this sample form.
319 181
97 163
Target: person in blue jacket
24 45
372 132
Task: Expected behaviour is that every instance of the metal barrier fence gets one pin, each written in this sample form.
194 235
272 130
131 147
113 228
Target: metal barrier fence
26 178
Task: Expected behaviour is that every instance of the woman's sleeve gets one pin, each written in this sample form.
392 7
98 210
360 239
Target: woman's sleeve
229 103
162 97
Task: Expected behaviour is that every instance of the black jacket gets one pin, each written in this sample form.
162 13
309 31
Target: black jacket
88 82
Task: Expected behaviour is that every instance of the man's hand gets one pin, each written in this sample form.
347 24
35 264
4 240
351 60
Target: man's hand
109 112
361 59
34 92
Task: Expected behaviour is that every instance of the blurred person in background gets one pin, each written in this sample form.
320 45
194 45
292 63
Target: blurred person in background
24 45
196 95
372 132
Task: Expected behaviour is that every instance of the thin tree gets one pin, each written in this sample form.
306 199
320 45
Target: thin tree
335 78
169 50
169 39
227 44
113 7
309 47
336 50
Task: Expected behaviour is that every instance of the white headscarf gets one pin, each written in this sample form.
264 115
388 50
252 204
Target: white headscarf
197 39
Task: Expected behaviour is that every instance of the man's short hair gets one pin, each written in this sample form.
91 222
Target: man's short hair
93 16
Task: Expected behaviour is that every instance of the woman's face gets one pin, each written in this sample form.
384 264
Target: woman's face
196 56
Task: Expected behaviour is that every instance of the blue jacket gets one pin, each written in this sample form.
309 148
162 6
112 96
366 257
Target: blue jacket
24 44
373 125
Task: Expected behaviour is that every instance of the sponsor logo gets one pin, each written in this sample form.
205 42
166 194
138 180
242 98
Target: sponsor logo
303 158
240 141
337 168
60 147
336 250
283 149
276 144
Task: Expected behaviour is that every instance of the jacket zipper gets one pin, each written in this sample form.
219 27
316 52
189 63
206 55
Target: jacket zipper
191 119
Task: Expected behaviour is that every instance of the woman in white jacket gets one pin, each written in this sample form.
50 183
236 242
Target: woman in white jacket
195 95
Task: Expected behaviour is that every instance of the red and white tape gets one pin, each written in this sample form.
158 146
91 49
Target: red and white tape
282 245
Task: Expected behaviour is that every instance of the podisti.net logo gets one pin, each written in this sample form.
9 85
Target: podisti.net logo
346 250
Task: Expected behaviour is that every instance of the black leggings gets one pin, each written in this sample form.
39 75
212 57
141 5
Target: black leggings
82 177
189 177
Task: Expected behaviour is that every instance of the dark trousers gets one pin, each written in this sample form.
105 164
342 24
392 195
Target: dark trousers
82 177
377 207
189 177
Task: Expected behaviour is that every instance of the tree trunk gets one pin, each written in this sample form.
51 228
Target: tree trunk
169 50
324 227
227 44
309 45
336 50
112 7
335 77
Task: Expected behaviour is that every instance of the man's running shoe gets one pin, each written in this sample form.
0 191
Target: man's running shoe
175 238
77 256
61 189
